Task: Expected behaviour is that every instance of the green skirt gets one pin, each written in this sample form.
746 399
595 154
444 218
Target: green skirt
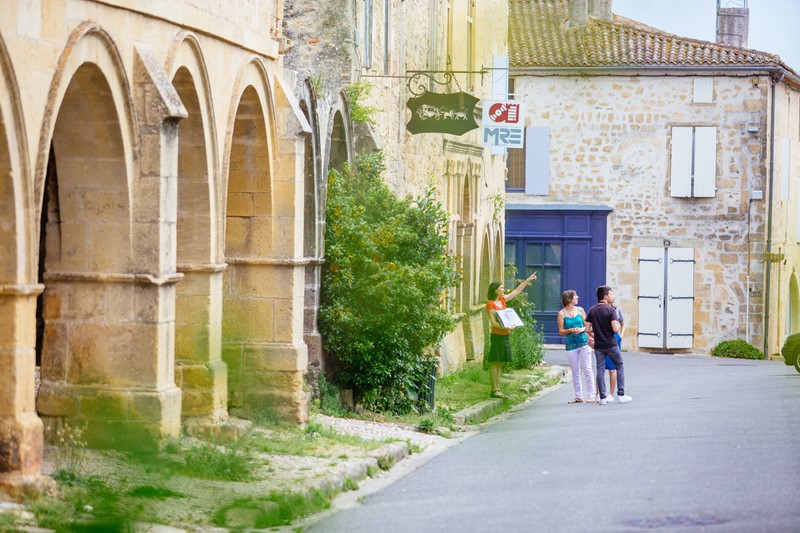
499 349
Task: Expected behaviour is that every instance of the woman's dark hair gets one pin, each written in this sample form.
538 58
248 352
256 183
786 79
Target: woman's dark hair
491 293
567 296
602 290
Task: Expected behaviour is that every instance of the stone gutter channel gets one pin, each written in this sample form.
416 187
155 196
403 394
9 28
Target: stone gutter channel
393 460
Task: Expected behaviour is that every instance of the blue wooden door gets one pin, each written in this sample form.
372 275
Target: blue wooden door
567 250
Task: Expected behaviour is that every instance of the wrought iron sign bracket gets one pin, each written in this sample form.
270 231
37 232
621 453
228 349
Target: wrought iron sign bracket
416 82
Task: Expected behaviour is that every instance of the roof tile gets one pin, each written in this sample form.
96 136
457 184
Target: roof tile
539 37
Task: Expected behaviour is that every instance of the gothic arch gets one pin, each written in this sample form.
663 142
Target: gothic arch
199 370
339 135
16 198
88 44
199 196
248 166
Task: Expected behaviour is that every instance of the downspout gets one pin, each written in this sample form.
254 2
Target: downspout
768 248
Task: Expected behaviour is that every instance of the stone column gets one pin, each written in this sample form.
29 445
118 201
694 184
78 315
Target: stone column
21 441
199 370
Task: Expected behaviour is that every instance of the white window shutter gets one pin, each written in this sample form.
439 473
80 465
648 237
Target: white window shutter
680 297
537 160
703 90
651 297
705 161
786 162
681 182
499 88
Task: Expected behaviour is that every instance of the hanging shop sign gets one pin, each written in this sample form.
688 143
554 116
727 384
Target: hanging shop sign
442 113
503 123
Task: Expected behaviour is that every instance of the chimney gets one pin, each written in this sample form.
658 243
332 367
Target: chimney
600 9
732 24
578 13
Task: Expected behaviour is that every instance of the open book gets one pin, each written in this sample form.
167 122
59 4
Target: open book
508 318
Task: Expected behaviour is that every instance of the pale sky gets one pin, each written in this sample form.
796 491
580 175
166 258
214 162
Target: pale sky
774 24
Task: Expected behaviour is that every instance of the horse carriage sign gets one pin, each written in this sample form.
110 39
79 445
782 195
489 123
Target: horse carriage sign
442 113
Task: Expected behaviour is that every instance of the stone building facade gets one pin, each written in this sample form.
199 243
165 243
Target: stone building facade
687 151
154 194
382 42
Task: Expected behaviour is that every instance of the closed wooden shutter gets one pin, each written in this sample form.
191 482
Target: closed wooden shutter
703 90
537 160
680 297
705 161
651 297
681 164
499 88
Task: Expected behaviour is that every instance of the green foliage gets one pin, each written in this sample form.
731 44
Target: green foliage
356 92
738 349
385 272
527 342
426 425
208 461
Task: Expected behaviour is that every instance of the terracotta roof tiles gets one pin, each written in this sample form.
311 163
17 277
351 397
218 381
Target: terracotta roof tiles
539 37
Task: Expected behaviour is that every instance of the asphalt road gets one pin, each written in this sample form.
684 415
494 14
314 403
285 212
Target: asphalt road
707 444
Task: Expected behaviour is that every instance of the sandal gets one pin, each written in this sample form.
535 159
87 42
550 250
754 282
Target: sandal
575 400
498 394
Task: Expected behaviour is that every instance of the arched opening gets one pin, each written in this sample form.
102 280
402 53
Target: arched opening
8 211
338 146
86 233
248 221
485 268
251 292
465 246
199 370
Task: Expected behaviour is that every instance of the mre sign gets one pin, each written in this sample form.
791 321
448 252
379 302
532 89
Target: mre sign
503 123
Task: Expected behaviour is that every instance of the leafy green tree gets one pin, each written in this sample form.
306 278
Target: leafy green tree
385 273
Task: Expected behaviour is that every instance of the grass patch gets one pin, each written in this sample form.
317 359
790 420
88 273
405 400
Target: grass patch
315 440
207 461
159 493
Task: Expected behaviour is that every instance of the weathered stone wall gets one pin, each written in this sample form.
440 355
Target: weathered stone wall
328 42
610 145
162 145
784 294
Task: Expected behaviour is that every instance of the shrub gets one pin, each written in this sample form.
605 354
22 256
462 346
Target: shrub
738 349
385 272
527 342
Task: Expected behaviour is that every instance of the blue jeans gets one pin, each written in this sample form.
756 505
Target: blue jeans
616 357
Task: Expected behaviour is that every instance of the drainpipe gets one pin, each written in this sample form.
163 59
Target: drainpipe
768 248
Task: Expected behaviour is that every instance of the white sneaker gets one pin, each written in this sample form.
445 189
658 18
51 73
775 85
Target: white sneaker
610 399
603 401
624 399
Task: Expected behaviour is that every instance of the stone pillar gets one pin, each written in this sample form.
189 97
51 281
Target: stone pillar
199 370
263 344
21 441
107 359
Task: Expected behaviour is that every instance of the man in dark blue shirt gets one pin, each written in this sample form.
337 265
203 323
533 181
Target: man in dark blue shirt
603 323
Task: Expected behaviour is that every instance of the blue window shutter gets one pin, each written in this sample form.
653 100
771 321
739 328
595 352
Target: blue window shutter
537 160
